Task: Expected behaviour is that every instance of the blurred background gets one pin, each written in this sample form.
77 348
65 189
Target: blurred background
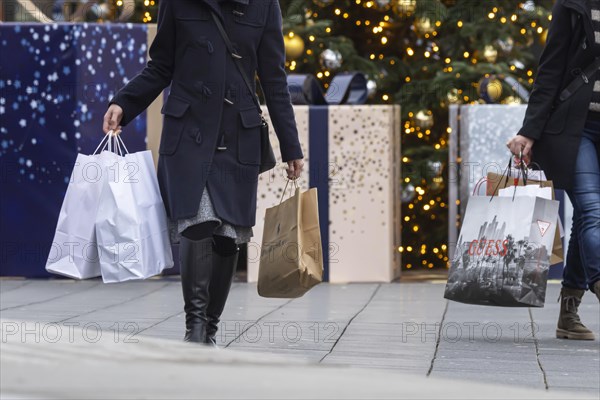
425 56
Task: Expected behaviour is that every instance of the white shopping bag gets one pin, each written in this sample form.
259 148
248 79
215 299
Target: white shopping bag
532 175
73 252
503 252
529 190
533 190
131 222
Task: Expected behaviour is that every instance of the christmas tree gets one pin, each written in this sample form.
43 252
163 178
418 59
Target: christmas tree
424 55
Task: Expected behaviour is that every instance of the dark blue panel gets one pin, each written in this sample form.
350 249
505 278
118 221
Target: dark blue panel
318 149
55 82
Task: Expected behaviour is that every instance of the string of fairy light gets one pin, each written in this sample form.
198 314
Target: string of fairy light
420 122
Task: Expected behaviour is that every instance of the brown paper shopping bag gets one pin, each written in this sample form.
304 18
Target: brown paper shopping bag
291 259
495 182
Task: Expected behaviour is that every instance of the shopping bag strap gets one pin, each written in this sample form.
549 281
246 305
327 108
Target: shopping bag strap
478 186
294 187
121 143
112 142
507 175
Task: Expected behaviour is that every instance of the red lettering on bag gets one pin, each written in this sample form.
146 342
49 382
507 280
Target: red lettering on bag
489 248
472 247
504 248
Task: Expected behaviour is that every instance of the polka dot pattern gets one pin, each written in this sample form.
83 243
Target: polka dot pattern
363 170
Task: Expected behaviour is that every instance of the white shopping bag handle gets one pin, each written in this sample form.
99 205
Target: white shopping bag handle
478 186
107 143
121 143
102 142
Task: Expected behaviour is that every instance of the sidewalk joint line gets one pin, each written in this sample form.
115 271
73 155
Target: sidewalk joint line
437 342
258 320
350 321
536 344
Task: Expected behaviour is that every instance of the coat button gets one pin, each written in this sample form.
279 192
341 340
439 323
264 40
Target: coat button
202 88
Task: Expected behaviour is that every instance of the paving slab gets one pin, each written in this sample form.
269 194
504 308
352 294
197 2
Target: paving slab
401 330
159 369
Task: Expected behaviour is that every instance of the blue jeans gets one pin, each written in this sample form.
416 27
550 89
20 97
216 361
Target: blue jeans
582 267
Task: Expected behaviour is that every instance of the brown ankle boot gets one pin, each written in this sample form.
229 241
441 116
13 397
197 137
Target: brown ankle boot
569 324
596 289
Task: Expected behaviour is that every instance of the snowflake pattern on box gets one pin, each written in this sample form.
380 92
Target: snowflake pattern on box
55 84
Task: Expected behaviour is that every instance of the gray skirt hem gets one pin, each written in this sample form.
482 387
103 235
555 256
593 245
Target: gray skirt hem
206 213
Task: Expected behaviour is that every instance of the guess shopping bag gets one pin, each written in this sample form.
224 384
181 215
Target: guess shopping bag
503 252
537 178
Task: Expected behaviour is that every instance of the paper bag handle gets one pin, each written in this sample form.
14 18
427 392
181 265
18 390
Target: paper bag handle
507 174
107 143
295 186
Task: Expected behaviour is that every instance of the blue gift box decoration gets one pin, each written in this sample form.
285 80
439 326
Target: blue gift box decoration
55 83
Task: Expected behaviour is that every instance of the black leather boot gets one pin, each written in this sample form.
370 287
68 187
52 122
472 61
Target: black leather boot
196 269
222 276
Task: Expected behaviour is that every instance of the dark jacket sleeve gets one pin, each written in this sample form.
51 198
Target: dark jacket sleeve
548 81
272 76
137 95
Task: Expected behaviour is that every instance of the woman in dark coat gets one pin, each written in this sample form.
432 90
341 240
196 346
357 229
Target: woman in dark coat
209 153
561 133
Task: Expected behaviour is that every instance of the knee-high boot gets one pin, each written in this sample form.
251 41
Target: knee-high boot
196 269
222 276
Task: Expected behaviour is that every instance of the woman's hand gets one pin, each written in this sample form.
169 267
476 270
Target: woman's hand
519 144
294 169
112 118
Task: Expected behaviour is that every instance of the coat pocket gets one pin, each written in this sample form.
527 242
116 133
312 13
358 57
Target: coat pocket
558 118
174 110
249 137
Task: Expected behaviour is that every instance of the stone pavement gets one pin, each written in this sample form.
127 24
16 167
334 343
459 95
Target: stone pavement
400 340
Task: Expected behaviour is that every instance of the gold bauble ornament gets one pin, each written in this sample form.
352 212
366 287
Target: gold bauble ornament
494 89
490 53
424 119
294 46
424 26
512 100
404 8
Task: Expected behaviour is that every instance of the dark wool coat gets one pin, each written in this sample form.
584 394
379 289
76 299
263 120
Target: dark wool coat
208 97
557 127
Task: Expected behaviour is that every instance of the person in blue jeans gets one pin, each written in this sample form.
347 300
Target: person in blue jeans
561 134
